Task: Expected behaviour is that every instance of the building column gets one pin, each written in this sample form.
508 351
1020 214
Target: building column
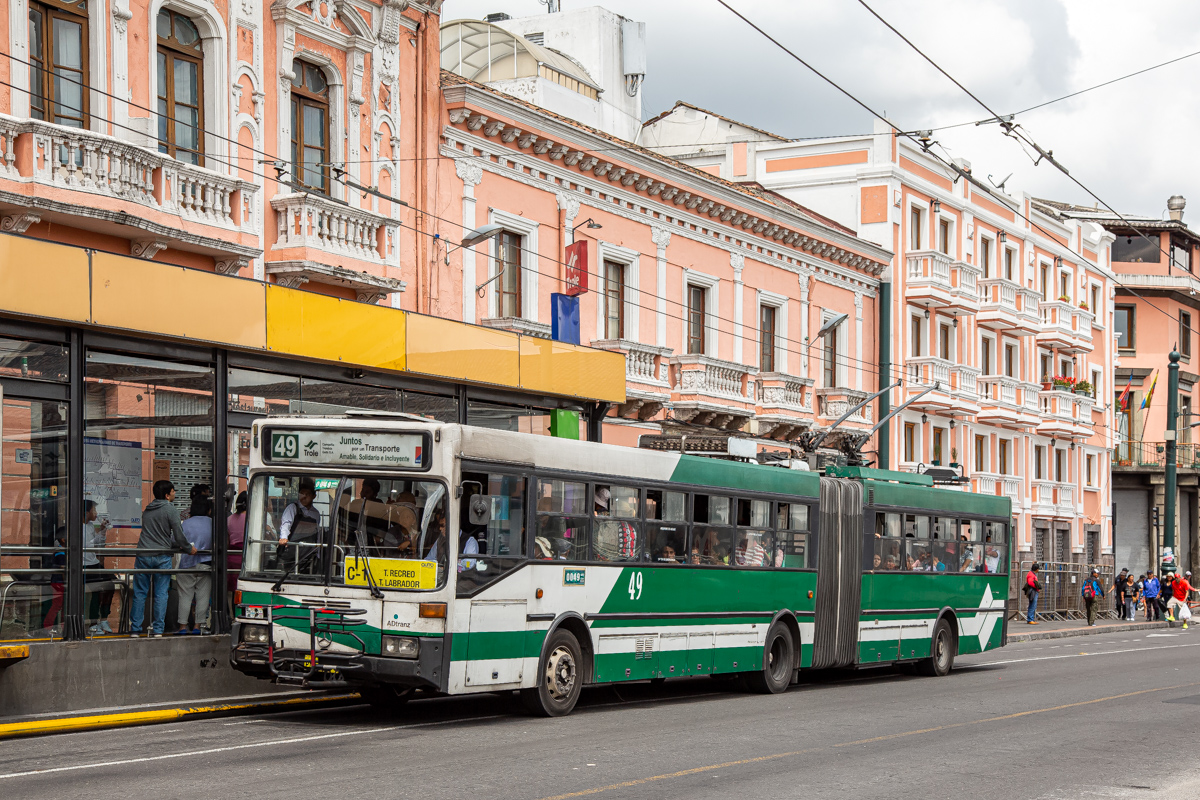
805 284
471 174
738 262
662 237
858 341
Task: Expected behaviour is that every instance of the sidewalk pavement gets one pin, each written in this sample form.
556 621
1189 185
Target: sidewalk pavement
1021 631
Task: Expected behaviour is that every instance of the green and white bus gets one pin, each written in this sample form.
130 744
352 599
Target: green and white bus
449 559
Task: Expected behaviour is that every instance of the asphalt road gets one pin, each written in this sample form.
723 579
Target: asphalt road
1067 718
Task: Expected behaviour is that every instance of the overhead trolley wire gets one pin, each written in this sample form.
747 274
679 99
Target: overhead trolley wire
925 147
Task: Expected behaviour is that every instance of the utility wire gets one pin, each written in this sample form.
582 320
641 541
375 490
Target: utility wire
1072 94
1018 132
925 147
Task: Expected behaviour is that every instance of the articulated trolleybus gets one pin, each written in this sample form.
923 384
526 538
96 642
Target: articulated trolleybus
396 555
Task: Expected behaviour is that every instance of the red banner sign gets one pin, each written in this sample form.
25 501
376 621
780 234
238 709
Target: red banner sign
577 268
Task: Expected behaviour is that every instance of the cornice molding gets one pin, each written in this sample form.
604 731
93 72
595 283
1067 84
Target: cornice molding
823 271
756 217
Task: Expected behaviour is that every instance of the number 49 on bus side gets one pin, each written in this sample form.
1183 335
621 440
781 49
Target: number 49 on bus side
635 586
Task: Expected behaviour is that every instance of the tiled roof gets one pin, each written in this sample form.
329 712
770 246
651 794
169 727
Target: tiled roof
730 120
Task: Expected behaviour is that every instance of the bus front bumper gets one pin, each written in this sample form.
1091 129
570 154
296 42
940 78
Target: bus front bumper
429 670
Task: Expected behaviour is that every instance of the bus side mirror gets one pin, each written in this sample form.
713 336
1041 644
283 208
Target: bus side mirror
479 511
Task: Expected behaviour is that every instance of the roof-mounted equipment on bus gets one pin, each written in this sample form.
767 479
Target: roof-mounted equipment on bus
702 444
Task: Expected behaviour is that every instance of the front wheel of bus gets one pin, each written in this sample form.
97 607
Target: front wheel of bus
779 659
560 678
941 652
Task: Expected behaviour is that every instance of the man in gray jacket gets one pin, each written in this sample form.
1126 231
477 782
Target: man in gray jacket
161 530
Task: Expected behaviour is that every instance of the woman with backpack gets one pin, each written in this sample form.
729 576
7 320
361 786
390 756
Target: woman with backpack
1032 587
1092 591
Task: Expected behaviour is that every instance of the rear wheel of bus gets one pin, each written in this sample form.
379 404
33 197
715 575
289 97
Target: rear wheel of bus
779 659
559 678
941 652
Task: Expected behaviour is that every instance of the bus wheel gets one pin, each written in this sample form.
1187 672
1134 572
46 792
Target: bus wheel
385 698
779 659
560 678
941 652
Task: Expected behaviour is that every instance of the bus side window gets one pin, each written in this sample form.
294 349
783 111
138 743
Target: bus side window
712 537
943 554
617 535
755 539
888 544
562 521
666 527
791 536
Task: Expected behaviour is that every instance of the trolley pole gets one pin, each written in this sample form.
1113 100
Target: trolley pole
1170 488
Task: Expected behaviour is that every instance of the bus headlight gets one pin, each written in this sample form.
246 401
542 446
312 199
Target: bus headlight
400 646
255 634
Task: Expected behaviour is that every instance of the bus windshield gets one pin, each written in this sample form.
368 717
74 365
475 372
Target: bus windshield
332 529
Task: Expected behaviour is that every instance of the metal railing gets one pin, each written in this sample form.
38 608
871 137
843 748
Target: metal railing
1061 597
1154 454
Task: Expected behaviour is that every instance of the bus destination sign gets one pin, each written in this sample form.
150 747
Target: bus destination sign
351 449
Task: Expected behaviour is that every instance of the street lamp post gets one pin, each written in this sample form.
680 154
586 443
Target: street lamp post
1170 479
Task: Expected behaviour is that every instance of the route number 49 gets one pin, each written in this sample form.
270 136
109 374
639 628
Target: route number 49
635 586
285 445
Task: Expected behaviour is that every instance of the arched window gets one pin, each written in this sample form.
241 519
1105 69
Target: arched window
58 59
180 102
310 126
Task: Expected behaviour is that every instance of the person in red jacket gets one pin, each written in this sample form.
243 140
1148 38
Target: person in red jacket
1179 597
1032 587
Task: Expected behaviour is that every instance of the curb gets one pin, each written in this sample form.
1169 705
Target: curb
1014 638
44 727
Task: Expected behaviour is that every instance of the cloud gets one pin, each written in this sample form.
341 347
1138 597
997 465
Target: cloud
1124 141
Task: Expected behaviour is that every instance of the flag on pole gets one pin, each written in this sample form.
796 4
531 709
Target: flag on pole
1123 400
1150 394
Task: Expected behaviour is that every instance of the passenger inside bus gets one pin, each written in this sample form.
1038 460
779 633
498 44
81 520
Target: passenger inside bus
711 546
664 545
616 536
562 520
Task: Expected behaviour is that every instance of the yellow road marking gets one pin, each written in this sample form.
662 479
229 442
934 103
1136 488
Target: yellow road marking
774 756
96 721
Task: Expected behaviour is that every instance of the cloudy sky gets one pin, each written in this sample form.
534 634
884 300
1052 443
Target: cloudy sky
1126 142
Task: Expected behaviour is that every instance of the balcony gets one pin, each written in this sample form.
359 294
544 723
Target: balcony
1065 415
1140 456
367 288
1007 402
990 483
646 371
833 402
785 406
935 280
77 177
957 385
319 228
1065 327
1008 307
1053 499
710 391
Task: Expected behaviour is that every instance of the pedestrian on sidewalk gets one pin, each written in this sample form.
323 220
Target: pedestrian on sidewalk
1032 587
1093 590
1179 598
1132 596
162 533
1150 589
1117 589
196 585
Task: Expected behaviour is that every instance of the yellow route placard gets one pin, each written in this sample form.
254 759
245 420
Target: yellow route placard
392 573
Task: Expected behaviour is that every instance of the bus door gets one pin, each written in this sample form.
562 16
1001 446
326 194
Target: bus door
839 574
496 643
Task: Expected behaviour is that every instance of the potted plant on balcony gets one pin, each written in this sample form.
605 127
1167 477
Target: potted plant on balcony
1062 298
954 457
1064 382
1083 387
1083 305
